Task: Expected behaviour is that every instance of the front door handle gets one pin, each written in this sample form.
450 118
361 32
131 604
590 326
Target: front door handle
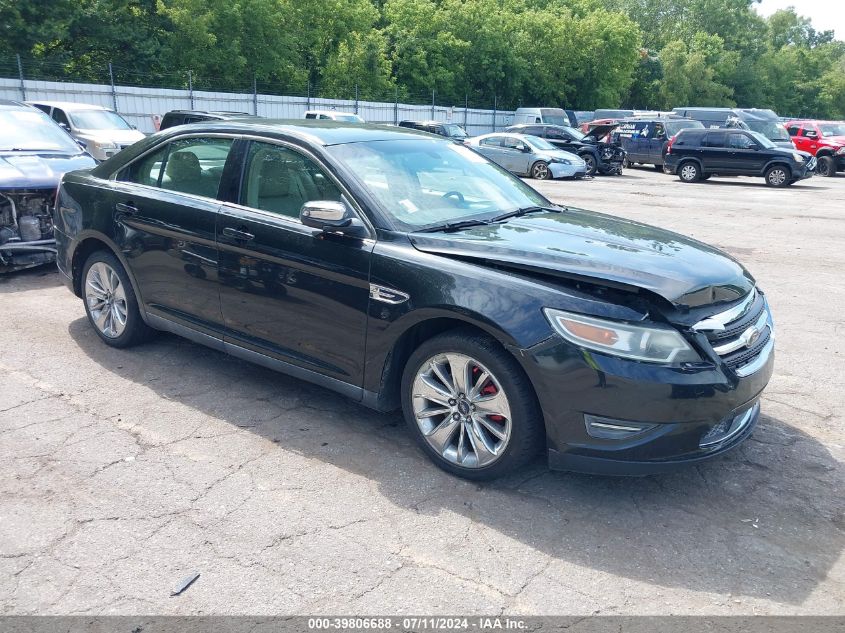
128 208
238 234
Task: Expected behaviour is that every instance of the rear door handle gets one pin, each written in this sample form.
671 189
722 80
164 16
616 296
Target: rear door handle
128 208
238 234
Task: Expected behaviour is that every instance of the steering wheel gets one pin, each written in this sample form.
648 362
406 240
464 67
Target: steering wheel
455 194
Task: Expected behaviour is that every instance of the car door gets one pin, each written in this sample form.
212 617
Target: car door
165 207
288 291
745 154
491 147
515 156
810 136
656 139
715 155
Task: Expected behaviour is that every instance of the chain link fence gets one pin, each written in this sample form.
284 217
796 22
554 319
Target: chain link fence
142 98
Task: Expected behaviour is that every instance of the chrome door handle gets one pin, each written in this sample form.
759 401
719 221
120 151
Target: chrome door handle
127 208
237 234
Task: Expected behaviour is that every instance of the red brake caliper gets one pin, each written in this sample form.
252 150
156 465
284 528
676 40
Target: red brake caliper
487 390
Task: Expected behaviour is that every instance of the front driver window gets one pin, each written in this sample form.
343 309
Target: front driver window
280 180
740 141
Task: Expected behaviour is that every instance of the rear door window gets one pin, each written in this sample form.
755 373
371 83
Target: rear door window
191 165
793 130
715 139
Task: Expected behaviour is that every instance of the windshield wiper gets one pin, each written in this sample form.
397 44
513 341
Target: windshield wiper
448 227
525 210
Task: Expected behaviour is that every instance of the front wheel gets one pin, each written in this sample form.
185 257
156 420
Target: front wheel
540 171
826 166
110 302
470 406
689 172
592 165
778 176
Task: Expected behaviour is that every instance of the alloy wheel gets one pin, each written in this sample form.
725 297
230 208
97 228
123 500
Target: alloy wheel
689 172
540 171
106 299
461 410
777 177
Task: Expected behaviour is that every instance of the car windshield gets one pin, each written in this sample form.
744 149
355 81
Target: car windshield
423 183
539 143
576 134
832 129
30 129
455 131
673 127
760 138
98 120
770 129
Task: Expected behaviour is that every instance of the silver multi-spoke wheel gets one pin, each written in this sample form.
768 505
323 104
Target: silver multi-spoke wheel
540 171
689 172
106 299
777 177
462 410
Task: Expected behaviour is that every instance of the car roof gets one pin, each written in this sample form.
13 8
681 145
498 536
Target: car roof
317 131
67 105
8 104
429 122
214 112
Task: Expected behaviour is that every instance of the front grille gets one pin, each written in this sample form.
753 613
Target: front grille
742 336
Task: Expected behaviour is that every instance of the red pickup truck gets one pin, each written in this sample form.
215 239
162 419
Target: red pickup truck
823 139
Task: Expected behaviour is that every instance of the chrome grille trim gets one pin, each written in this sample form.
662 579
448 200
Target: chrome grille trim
717 322
745 339
757 364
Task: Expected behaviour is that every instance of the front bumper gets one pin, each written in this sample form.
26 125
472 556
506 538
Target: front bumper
562 170
680 406
610 167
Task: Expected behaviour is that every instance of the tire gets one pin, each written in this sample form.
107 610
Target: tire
705 177
778 176
509 436
105 283
540 171
689 172
592 164
826 166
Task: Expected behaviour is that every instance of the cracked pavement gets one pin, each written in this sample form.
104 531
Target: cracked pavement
124 471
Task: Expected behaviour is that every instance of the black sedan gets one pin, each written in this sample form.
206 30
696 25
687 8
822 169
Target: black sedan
407 271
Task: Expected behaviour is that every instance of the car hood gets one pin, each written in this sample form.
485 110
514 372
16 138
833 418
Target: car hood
588 246
833 140
121 137
783 143
600 130
30 170
558 153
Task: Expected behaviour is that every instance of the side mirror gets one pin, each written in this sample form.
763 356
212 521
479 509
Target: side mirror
331 216
524 149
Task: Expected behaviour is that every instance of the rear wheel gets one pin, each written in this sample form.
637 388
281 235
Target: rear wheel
470 406
689 172
110 302
778 176
540 171
826 166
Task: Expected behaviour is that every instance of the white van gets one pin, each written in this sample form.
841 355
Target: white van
546 116
333 115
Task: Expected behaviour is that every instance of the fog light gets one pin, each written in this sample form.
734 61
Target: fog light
610 429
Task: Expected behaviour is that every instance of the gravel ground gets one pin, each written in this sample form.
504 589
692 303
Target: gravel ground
124 471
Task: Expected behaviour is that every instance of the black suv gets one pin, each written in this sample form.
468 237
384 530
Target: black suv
602 158
698 154
408 271
183 117
449 130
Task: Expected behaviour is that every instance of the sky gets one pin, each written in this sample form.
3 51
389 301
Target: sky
825 14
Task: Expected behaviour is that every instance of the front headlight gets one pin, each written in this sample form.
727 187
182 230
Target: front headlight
104 145
798 158
652 344
562 161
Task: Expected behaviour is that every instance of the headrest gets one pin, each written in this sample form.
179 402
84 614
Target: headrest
183 166
274 177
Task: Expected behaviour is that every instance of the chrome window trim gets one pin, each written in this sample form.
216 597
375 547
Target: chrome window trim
356 207
717 322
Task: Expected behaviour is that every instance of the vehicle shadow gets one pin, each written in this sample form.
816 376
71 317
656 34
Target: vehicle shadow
766 521
30 279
